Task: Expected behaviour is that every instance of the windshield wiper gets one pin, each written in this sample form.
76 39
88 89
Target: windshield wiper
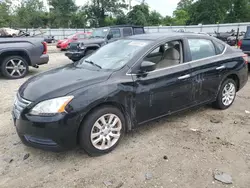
92 63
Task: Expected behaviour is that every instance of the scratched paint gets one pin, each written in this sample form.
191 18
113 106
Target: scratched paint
141 97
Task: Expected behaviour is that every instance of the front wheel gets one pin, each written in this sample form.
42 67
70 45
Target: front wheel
226 95
101 132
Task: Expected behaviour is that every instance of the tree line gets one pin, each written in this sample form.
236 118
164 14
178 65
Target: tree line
98 13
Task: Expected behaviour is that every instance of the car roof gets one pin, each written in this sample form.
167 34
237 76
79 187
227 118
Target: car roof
160 36
119 26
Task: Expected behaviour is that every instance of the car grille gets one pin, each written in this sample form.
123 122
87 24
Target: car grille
19 105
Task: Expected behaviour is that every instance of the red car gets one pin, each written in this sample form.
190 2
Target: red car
63 44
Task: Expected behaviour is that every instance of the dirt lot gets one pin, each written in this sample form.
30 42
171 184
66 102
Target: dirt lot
181 151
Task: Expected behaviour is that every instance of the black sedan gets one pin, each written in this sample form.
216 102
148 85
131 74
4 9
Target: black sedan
126 83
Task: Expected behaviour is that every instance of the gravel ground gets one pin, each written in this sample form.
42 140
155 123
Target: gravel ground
181 151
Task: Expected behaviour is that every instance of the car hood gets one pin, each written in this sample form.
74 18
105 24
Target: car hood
65 41
60 82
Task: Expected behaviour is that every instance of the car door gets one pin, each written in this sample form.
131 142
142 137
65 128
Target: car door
207 67
163 91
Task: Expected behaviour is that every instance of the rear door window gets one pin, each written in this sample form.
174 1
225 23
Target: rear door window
219 47
127 31
138 31
201 48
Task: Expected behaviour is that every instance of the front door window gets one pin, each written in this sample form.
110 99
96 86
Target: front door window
166 55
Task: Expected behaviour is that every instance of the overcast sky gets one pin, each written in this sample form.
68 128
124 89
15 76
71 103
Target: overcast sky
165 7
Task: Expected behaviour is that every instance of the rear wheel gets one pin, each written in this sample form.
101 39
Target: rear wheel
226 95
102 130
14 67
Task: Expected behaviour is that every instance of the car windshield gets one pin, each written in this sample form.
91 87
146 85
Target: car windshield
101 33
114 55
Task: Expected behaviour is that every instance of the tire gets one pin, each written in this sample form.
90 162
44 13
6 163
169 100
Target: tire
88 130
88 52
14 63
220 102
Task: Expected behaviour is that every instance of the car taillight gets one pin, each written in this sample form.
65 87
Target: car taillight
239 44
45 48
245 57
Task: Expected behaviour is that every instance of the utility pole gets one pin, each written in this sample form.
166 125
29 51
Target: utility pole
129 5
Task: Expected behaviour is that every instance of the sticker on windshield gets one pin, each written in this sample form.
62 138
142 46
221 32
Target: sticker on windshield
141 44
104 30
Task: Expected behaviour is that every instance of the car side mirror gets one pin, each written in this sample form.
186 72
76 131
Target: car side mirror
74 38
110 36
147 66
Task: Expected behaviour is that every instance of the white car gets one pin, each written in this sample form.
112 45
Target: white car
9 32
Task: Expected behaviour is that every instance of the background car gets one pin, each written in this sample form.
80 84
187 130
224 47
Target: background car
49 39
18 54
100 37
63 44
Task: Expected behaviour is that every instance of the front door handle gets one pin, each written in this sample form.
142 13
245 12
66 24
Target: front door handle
221 67
184 77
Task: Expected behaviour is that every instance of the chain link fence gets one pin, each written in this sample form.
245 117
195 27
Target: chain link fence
200 28
62 33
57 33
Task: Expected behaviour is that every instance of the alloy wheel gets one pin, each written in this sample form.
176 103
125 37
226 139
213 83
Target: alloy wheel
228 94
106 131
15 68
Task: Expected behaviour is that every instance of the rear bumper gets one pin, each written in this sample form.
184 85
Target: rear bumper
243 77
43 59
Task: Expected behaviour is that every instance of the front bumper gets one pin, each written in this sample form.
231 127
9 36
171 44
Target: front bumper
57 133
64 47
75 56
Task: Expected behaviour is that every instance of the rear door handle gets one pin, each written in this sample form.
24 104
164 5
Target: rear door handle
221 67
184 77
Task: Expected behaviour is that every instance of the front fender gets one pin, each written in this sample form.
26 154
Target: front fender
91 97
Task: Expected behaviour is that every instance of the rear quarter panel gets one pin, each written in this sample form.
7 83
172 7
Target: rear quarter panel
32 46
236 65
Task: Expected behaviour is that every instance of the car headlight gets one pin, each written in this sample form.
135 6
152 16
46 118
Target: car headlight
51 107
